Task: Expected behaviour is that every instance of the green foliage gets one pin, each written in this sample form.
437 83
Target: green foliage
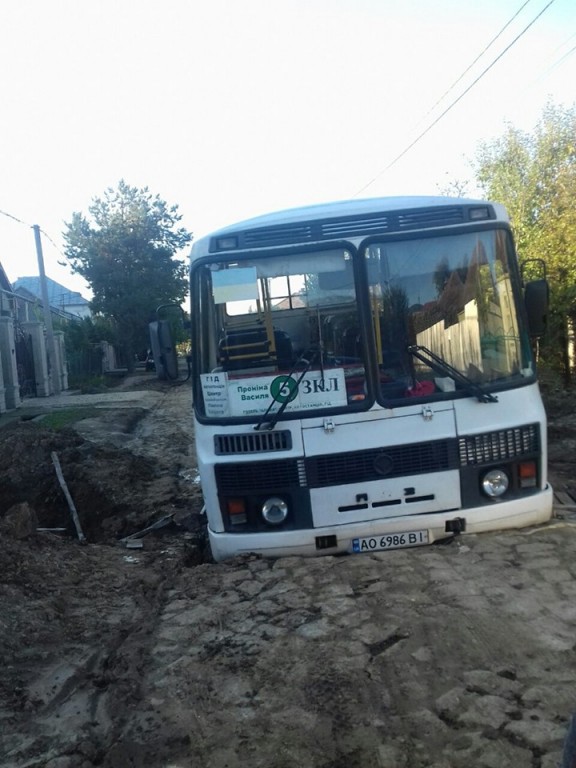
534 176
126 251
65 417
97 383
179 324
87 331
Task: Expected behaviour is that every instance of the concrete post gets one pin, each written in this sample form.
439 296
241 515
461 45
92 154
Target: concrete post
2 390
42 379
9 366
53 352
108 356
63 364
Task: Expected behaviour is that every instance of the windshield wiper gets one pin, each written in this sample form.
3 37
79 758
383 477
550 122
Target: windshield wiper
435 362
284 404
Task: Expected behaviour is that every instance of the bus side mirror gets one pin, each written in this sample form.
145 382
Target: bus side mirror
536 301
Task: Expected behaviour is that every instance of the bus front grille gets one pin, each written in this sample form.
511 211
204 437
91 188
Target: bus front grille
246 477
499 446
374 464
252 442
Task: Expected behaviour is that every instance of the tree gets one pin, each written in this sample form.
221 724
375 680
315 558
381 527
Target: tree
534 176
126 251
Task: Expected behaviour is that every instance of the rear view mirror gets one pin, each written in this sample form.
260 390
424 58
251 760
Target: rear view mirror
536 300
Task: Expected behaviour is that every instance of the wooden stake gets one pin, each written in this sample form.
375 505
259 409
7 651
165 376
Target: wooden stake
73 512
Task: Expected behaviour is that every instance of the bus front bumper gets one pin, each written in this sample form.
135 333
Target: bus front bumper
391 533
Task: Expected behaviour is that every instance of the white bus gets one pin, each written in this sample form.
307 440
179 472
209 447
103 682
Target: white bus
363 378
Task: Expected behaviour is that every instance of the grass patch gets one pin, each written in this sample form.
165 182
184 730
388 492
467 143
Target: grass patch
93 385
65 417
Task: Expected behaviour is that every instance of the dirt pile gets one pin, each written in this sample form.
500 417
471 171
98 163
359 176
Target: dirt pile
124 468
108 486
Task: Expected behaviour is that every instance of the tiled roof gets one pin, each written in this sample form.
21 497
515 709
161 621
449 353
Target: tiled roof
58 295
4 282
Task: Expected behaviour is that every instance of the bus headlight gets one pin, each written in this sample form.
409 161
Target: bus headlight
274 510
495 483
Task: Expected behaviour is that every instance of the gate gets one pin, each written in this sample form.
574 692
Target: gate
25 364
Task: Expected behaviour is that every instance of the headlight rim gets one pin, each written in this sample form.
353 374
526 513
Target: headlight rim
278 503
492 488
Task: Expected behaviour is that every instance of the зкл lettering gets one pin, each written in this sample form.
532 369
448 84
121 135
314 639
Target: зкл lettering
313 386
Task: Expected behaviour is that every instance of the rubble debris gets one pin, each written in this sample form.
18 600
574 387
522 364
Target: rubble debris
20 521
162 523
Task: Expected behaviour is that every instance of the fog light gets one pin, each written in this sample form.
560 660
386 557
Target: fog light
495 483
275 511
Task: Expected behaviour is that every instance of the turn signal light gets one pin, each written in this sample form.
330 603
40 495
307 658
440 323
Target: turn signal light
527 474
236 509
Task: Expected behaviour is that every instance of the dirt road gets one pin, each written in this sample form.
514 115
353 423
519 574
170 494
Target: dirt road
458 655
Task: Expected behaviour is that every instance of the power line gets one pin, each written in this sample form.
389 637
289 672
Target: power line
46 235
15 218
562 59
554 65
453 104
455 83
559 47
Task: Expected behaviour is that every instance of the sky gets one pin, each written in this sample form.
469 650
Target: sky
234 108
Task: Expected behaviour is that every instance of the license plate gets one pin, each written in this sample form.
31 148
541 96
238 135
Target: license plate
390 541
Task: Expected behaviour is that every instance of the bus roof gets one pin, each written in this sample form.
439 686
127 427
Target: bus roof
337 209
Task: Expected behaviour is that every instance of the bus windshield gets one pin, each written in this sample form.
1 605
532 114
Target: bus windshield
271 321
303 332
446 311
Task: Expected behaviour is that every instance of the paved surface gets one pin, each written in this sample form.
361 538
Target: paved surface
114 399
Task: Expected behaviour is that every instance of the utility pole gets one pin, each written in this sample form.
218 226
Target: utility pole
50 342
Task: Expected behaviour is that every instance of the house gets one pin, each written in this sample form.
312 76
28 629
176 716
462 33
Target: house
62 300
26 366
6 300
